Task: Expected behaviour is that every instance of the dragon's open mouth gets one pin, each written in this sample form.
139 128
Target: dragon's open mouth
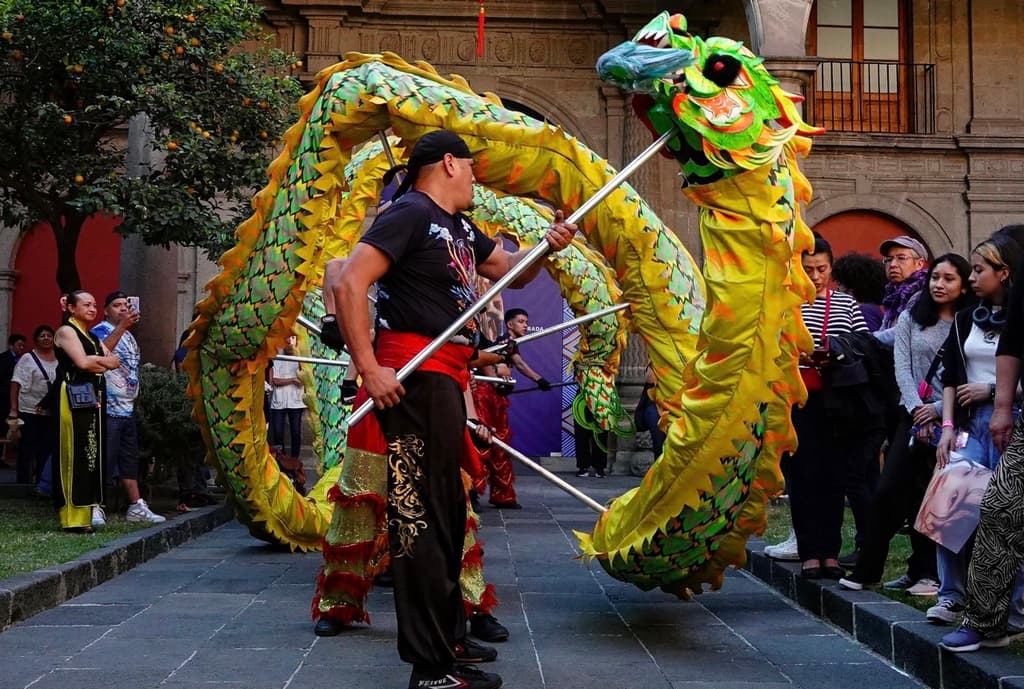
655 39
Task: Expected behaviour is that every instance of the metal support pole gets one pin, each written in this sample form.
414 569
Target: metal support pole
558 481
383 136
312 360
495 380
308 325
558 327
524 264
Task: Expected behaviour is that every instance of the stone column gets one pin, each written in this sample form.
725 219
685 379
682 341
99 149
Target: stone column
8 278
629 454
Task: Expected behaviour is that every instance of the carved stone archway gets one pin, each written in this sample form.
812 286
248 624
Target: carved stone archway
938 238
523 91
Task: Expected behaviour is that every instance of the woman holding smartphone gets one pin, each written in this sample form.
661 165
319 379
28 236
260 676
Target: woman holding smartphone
816 472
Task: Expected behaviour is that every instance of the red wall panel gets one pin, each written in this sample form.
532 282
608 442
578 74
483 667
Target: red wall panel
36 293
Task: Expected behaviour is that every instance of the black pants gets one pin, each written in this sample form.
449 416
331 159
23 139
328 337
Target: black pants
897 498
832 462
278 417
816 476
588 453
426 518
861 477
38 441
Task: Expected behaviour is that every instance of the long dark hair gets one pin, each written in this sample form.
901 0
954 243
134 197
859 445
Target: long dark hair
925 312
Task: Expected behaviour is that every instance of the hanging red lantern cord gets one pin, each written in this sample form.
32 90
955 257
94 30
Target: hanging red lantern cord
480 31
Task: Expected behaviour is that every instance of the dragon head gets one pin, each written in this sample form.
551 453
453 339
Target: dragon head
730 112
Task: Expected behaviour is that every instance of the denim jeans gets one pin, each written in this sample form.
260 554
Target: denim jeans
953 566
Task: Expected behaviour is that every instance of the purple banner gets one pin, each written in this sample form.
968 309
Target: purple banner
536 417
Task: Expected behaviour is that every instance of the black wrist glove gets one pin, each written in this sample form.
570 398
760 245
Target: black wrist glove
504 389
330 335
508 350
349 388
543 384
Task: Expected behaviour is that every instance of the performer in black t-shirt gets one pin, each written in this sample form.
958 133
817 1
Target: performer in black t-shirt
423 253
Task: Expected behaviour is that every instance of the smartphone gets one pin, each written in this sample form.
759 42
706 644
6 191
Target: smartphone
133 304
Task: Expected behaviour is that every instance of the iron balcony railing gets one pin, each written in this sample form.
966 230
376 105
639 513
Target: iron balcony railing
874 97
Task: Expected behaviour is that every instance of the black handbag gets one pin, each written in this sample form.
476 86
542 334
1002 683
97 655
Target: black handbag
82 396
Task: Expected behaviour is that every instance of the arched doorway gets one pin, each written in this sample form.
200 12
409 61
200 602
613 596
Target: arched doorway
36 293
862 232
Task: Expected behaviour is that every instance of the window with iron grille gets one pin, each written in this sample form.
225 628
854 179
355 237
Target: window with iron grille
865 80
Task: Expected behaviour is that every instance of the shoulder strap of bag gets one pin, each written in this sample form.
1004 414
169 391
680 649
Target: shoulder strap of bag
935 365
42 370
824 325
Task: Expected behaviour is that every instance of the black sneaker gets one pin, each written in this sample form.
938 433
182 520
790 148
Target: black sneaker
582 473
486 628
461 677
850 559
326 626
599 473
467 651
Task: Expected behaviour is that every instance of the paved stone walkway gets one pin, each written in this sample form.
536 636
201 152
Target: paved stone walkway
229 611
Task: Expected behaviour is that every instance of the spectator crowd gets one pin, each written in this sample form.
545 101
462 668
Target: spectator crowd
912 420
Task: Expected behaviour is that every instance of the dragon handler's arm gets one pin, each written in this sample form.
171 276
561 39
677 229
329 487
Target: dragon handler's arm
365 266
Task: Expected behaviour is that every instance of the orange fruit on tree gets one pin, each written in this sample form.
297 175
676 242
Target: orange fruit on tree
179 50
247 101
169 30
194 43
78 69
172 146
218 68
190 18
68 119
165 56
7 35
120 3
16 54
263 134
79 179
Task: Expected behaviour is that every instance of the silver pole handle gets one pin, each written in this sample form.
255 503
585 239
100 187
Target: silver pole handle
558 481
558 327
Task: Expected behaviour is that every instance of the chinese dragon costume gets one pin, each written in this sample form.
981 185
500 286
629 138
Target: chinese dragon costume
723 344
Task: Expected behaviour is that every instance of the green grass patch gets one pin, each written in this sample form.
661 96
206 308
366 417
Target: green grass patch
896 564
31 537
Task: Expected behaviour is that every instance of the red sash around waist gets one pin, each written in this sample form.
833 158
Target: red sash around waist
394 350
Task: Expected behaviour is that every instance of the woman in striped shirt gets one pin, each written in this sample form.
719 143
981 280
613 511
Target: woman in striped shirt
816 472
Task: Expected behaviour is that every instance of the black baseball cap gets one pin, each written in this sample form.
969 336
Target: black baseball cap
116 294
431 148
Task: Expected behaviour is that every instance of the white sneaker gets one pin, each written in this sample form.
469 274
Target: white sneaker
140 512
786 550
924 587
99 518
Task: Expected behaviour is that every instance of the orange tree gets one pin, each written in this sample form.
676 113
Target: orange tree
72 75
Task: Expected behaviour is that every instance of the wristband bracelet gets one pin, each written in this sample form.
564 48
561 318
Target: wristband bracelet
947 424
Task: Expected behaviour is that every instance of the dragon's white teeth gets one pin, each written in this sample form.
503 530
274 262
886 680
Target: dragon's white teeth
660 34
663 42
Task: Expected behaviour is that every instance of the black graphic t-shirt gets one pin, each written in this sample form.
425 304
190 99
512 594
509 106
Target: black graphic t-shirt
434 256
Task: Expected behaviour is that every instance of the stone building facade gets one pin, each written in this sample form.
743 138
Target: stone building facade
951 181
